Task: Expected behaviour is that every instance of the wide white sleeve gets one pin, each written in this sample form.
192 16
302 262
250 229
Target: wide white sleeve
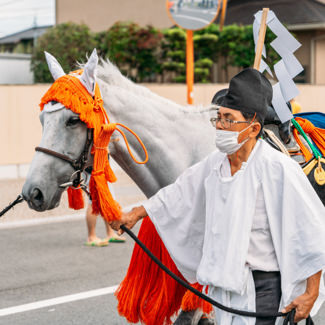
297 223
178 213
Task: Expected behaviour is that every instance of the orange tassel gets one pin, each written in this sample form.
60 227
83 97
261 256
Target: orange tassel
104 201
316 134
192 302
69 91
109 174
108 208
75 198
147 293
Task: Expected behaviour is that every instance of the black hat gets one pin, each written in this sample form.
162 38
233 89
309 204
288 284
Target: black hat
249 91
218 96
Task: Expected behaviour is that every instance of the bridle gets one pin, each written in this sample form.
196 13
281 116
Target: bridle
79 164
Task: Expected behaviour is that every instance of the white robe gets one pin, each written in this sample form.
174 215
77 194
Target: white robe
205 222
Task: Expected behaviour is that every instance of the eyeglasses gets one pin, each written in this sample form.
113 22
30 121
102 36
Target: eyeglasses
225 123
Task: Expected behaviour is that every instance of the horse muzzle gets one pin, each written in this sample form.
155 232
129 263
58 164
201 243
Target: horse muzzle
36 198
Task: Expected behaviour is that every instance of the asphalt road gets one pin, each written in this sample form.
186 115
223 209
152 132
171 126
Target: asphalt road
41 262
49 261
193 18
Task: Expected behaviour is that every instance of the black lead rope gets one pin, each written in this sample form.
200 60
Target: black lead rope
11 205
289 317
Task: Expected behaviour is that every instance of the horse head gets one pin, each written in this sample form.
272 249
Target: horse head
64 136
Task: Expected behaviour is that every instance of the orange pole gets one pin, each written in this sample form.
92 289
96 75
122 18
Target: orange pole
223 14
189 66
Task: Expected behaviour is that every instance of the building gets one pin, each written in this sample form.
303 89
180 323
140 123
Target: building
99 15
15 55
304 18
22 41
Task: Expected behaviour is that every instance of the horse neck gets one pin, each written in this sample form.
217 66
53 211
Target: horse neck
160 124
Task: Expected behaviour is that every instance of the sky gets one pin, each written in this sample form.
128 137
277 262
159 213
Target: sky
17 15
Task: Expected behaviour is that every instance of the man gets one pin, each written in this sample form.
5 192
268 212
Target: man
245 221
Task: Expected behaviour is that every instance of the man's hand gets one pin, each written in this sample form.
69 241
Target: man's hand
305 302
129 219
303 305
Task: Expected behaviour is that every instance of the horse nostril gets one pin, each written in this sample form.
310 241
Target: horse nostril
37 197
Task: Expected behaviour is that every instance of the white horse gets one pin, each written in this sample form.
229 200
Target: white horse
175 136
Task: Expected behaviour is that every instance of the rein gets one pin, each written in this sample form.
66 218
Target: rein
289 317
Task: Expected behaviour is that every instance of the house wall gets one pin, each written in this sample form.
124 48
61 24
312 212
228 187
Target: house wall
319 61
20 128
99 15
303 54
15 69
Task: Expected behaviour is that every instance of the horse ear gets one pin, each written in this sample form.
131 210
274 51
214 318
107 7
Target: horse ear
54 66
88 77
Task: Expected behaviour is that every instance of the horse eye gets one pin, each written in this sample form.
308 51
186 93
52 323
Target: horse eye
72 121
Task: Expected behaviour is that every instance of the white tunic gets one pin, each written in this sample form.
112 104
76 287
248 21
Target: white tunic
205 222
261 254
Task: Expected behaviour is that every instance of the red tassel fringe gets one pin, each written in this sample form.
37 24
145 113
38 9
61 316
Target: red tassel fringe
75 198
191 301
147 293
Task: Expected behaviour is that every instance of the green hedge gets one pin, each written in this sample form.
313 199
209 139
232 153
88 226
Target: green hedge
147 54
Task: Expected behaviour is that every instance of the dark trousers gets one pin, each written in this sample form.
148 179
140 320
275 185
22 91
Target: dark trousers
268 294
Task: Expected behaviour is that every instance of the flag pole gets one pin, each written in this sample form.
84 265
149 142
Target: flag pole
261 38
189 65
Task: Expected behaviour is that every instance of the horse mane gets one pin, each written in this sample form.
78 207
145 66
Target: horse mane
110 75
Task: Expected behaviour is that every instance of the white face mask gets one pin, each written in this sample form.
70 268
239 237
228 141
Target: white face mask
227 141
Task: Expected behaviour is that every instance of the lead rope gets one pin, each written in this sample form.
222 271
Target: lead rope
126 141
11 205
127 144
289 317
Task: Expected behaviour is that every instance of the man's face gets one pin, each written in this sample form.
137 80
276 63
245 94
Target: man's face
233 120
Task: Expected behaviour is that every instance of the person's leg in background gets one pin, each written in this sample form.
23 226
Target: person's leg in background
91 220
112 236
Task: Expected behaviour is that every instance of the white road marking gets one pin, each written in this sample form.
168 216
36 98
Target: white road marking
57 301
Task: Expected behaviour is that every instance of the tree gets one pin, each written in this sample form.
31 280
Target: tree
134 49
236 45
174 53
68 42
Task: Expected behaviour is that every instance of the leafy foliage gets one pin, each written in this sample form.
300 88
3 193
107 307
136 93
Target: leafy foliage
69 42
148 54
236 45
134 49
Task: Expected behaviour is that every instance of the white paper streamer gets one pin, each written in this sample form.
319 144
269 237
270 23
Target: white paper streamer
288 88
280 104
286 69
264 66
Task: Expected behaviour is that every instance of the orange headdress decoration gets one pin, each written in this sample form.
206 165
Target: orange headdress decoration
79 92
